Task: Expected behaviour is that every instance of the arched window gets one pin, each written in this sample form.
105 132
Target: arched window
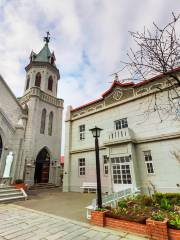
43 121
1 146
50 83
50 126
52 60
38 80
27 83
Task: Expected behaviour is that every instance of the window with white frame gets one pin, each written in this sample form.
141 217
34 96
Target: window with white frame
106 167
121 170
121 123
148 162
82 132
82 167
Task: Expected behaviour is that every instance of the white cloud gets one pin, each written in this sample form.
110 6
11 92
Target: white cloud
94 31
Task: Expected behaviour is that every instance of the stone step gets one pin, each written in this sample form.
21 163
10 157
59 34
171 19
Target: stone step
2 191
6 187
11 194
15 194
12 199
42 186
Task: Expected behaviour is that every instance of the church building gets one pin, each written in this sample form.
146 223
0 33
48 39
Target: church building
31 126
140 142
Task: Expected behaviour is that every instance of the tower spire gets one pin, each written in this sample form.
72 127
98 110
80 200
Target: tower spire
47 38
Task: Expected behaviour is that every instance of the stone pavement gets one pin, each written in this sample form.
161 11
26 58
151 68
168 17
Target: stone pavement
22 223
67 204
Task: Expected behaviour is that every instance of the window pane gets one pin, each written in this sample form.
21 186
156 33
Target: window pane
38 80
121 123
82 132
50 83
81 163
148 161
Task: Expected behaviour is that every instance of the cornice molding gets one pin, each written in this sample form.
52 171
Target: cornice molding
37 92
135 141
43 64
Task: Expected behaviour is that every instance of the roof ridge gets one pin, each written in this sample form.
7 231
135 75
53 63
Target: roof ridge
126 84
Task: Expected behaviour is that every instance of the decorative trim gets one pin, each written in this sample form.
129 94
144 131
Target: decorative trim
135 141
43 64
86 150
37 92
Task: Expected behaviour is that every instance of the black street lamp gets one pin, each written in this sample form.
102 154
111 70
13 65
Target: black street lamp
96 134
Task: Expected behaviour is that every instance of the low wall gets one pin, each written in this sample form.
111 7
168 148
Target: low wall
155 230
126 225
173 234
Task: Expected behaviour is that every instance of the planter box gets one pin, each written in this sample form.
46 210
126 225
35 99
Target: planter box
98 218
173 234
21 185
155 230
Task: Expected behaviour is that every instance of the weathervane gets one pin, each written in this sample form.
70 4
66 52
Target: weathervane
47 38
116 77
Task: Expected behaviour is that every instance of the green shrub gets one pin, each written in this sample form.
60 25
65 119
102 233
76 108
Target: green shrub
158 216
173 198
165 204
122 204
174 220
146 200
18 181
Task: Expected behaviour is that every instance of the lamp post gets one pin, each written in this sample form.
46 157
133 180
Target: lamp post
96 134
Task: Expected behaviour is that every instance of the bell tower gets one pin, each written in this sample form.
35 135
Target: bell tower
44 123
42 71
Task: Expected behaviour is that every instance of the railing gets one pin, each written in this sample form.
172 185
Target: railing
119 135
111 199
35 91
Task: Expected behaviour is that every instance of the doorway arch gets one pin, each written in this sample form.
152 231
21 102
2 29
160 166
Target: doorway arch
42 165
1 146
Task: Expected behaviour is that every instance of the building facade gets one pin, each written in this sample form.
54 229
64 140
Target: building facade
139 144
31 126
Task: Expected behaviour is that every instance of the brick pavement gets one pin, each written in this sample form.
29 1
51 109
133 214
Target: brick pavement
21 223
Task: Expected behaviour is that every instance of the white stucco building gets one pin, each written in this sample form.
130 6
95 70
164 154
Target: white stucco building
30 126
139 144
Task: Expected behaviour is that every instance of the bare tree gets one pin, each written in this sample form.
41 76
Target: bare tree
158 52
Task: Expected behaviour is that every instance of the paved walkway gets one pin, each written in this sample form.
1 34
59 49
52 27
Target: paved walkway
64 204
21 223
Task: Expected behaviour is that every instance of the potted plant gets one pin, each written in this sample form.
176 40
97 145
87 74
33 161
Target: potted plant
19 183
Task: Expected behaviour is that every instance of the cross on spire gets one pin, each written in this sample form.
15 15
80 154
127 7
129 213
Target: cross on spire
47 38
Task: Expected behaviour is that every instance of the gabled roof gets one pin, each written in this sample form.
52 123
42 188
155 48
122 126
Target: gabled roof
44 55
11 93
127 84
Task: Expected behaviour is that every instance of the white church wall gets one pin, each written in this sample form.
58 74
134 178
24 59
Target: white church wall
9 103
166 174
134 111
145 126
76 180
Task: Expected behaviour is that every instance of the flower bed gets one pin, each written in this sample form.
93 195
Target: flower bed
140 208
156 230
158 217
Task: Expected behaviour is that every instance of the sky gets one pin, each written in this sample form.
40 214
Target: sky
89 38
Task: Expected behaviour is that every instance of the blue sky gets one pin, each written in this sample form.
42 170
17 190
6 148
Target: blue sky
89 38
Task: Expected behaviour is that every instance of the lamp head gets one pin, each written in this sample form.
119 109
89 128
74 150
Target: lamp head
96 131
